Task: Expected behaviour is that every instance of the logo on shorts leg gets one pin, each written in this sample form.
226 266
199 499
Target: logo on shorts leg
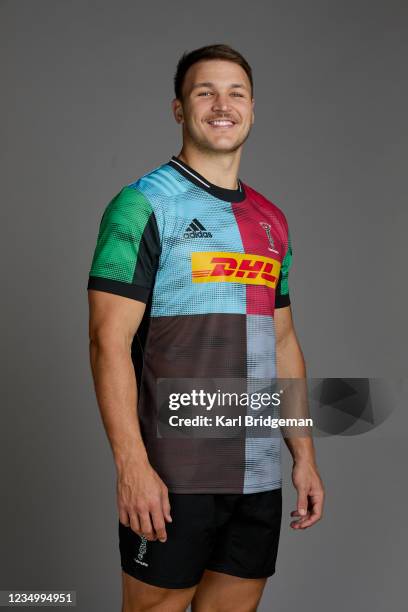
141 552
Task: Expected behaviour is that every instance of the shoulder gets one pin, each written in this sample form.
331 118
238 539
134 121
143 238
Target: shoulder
265 203
163 181
141 196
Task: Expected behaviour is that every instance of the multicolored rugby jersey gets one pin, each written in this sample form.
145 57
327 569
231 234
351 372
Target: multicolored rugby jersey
211 264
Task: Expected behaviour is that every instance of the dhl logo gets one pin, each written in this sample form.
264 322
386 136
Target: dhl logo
235 267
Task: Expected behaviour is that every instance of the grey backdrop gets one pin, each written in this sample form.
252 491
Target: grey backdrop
85 104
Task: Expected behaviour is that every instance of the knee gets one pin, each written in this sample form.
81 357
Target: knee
144 602
142 597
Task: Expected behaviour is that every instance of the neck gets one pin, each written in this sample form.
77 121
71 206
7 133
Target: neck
219 168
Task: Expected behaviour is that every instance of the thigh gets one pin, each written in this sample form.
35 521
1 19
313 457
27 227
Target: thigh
139 596
246 546
225 593
179 562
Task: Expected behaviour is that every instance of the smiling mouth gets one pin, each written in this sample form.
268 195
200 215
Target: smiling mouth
221 123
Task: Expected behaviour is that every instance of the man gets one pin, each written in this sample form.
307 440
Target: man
189 279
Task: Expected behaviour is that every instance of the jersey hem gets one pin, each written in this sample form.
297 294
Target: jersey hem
135 292
221 490
282 300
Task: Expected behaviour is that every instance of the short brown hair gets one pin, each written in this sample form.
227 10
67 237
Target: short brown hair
209 52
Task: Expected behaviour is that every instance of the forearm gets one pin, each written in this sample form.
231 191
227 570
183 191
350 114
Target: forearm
291 364
116 392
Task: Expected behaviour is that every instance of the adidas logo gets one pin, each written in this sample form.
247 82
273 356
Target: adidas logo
196 230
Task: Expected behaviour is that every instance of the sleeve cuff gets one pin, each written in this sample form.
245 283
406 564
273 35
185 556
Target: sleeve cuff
134 292
282 300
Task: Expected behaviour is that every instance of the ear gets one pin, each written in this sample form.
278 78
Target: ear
177 110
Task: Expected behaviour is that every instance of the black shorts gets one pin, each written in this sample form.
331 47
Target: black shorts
235 534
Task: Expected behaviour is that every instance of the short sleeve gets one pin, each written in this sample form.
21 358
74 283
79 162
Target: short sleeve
128 247
282 288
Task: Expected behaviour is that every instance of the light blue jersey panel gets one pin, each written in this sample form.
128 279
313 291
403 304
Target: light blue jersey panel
182 205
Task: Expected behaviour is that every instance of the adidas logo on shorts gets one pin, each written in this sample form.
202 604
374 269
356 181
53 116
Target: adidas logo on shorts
196 230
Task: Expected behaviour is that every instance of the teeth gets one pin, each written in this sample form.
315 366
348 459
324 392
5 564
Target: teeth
219 122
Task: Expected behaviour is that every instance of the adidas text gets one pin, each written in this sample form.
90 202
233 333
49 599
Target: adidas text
198 235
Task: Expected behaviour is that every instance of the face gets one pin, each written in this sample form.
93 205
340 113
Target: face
217 109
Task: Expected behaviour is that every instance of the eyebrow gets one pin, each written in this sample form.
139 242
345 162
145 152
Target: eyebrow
210 84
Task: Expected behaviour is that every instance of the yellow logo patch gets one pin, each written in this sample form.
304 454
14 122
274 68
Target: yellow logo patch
234 267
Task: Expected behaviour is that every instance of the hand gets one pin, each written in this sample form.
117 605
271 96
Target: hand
310 490
143 501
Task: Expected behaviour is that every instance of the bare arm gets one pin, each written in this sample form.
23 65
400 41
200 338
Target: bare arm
305 476
142 496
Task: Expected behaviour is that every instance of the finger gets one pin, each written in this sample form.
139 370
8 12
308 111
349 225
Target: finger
134 523
159 524
298 525
301 519
299 522
124 517
308 523
166 507
302 501
146 526
315 516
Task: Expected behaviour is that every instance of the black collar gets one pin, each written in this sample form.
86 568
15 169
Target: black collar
229 195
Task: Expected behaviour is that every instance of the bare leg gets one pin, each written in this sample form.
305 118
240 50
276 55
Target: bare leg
219 592
141 597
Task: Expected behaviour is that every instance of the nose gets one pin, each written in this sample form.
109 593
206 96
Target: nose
221 102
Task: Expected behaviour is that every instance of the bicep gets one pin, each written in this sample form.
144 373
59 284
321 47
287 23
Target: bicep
113 316
283 323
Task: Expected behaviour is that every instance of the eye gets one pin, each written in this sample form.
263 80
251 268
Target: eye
203 93
235 93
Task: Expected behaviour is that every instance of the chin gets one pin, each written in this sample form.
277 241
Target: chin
218 145
224 147
221 149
